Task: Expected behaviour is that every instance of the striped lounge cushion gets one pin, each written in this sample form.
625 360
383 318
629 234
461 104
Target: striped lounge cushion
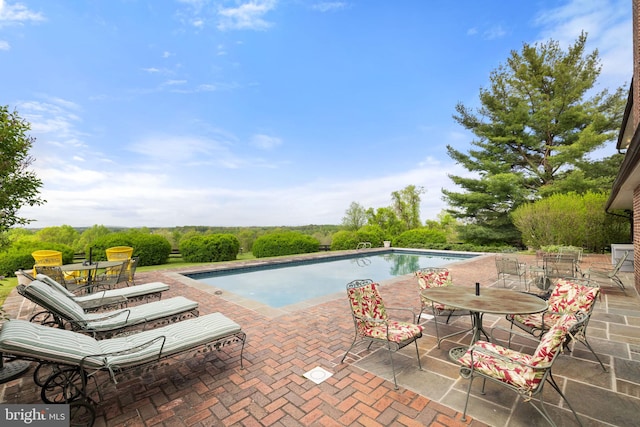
49 298
43 343
110 320
128 292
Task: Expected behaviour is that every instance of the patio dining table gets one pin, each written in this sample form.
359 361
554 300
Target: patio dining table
89 269
489 300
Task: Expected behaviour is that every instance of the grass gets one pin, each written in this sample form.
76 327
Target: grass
7 285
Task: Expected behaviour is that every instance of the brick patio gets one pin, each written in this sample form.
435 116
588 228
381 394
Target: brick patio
212 390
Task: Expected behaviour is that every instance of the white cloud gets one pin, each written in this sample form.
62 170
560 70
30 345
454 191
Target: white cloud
4 45
329 6
247 16
608 26
17 13
265 142
135 199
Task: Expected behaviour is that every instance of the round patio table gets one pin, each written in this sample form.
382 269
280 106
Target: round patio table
489 300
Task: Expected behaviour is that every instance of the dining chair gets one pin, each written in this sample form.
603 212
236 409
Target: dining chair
518 371
373 325
433 277
510 265
569 296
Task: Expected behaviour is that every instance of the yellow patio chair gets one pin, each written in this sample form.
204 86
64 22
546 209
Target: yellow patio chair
47 258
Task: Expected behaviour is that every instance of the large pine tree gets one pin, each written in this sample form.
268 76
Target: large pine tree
538 121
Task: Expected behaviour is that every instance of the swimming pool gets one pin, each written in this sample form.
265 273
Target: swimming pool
283 284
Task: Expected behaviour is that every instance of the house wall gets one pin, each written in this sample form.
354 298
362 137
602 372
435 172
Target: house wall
636 237
636 120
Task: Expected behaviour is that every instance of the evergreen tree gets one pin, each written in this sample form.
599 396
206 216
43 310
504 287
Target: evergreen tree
537 123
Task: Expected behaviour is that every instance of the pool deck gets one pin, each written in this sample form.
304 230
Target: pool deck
283 344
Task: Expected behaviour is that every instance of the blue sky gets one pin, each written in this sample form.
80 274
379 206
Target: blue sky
167 113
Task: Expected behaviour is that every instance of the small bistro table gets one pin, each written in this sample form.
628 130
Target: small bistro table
490 300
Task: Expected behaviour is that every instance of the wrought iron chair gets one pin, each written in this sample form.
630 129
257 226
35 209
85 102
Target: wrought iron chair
520 372
55 272
373 325
112 276
569 296
557 266
431 277
509 265
604 272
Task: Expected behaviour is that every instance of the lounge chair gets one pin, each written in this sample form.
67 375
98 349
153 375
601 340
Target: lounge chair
68 360
522 373
372 324
601 272
63 312
112 298
569 296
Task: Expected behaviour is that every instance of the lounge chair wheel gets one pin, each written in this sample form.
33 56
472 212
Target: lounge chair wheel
64 386
81 413
43 372
45 318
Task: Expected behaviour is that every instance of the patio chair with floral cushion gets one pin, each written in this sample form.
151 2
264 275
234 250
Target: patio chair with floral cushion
373 325
568 297
431 277
520 372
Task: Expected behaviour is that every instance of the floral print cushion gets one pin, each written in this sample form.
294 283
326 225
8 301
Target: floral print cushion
551 341
397 332
366 303
523 371
433 278
567 297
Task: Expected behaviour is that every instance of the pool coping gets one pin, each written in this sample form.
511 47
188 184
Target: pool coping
271 312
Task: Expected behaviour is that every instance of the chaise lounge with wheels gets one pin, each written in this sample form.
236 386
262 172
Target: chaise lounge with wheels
68 361
118 298
63 312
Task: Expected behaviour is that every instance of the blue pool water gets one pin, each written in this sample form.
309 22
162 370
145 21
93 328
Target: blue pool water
289 283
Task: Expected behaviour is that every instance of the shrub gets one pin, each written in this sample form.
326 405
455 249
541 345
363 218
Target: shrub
18 255
285 243
151 249
570 220
420 238
210 248
345 240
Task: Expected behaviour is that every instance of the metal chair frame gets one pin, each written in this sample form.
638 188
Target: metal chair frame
392 346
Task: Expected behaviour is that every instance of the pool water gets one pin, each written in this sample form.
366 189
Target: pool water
282 285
